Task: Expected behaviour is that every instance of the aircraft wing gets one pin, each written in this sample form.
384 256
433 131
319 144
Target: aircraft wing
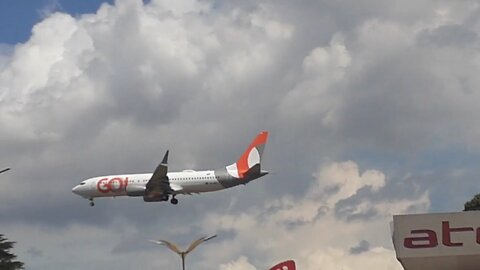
4 170
159 183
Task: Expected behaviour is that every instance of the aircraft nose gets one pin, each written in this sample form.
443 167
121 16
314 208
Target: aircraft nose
75 189
79 190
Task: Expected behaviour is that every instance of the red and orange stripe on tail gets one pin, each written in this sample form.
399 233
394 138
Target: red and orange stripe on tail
251 157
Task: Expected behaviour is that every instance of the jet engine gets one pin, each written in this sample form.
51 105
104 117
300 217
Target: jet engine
135 191
160 198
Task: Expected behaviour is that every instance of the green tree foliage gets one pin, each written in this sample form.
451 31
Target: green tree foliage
474 204
6 258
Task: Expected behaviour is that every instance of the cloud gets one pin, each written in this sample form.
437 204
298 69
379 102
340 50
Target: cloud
51 7
387 86
240 264
317 236
324 68
35 252
363 246
5 54
449 35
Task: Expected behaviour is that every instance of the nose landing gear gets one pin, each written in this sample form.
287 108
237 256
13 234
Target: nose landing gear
174 200
91 202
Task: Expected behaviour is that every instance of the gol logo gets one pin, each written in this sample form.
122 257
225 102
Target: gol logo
115 185
288 265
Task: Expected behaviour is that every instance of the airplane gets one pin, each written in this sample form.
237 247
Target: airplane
4 170
163 185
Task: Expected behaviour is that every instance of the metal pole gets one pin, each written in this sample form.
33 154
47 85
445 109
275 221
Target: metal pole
183 254
183 261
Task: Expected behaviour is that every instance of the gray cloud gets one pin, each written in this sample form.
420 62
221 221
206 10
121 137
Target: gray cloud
363 246
347 208
386 85
449 35
35 252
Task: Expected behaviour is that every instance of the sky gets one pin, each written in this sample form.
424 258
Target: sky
18 17
371 107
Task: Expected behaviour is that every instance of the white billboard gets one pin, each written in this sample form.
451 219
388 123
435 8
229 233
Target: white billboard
438 241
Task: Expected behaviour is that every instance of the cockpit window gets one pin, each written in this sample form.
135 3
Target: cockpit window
83 183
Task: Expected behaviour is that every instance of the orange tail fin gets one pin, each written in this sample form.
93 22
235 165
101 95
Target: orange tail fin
251 157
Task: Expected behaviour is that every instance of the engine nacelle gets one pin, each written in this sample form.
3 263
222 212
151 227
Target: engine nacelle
160 198
135 191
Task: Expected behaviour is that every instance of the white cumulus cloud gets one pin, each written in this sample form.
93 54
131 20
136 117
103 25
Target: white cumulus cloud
308 229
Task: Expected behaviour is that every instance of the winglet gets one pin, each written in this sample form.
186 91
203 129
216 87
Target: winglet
165 158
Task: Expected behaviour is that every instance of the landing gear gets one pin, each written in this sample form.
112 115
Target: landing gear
173 200
91 202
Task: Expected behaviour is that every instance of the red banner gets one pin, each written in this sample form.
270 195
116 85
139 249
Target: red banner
288 265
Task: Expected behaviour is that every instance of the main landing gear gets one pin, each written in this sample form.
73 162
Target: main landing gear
173 200
91 202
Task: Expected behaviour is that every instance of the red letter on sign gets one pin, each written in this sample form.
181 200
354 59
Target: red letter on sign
447 231
428 241
478 236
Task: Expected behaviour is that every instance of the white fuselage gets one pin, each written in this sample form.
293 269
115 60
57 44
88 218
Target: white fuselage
117 185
